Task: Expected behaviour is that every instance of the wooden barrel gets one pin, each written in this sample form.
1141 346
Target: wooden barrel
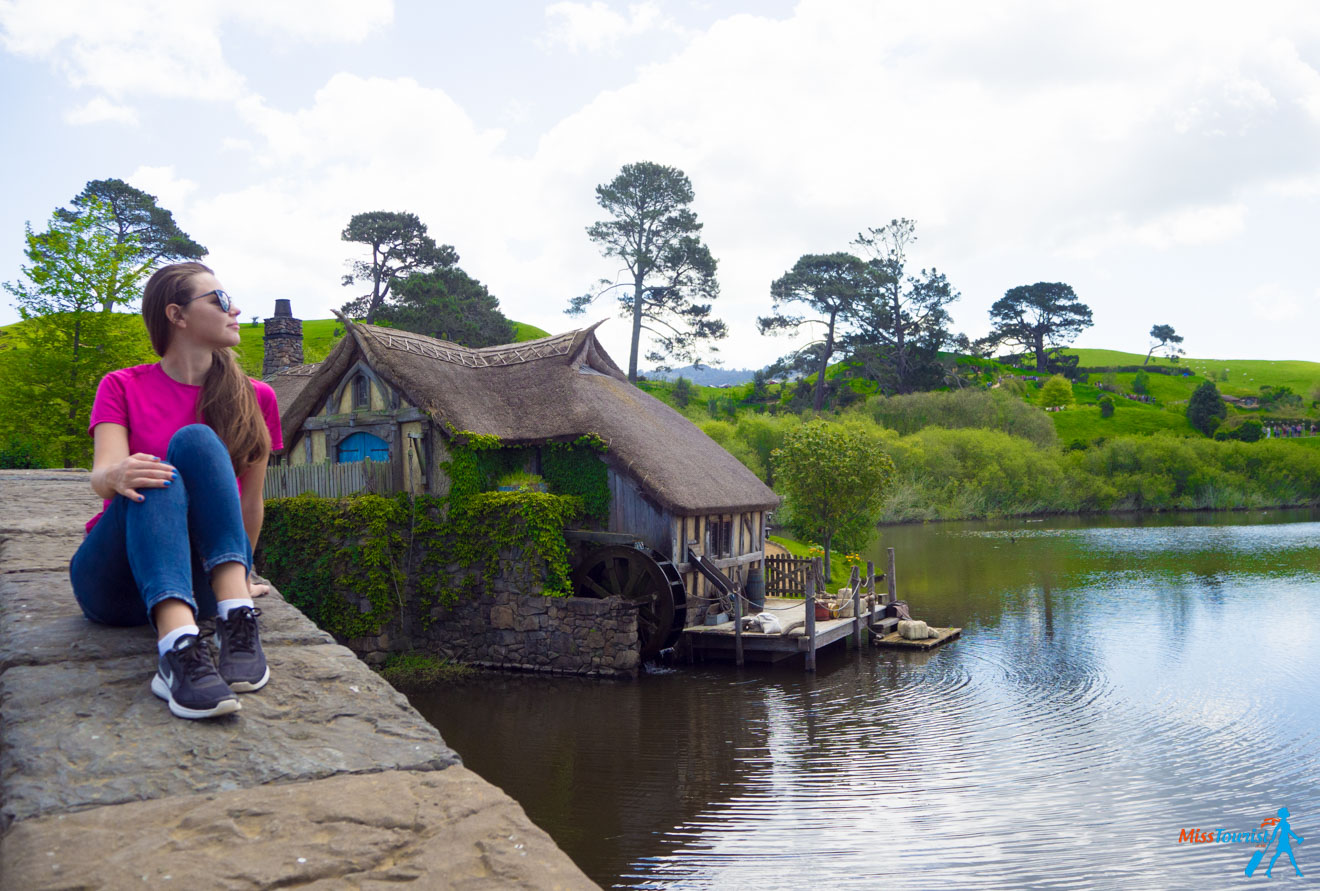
756 587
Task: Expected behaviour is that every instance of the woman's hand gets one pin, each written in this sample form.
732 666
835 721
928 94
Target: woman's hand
139 471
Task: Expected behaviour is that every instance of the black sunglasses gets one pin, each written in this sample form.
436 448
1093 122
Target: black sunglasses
221 297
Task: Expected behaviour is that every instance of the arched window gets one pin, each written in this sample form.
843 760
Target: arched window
363 446
361 392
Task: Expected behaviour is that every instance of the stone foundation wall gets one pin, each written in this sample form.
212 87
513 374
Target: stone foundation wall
513 626
561 635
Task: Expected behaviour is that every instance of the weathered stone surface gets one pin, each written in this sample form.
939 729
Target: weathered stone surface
79 734
40 623
446 829
50 552
54 501
289 791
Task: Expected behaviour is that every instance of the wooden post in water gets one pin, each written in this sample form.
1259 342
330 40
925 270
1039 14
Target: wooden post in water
810 602
889 576
737 628
857 614
870 594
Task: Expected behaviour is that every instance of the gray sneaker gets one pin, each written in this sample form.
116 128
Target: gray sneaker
186 678
242 662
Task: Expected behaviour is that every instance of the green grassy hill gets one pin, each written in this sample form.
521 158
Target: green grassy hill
319 337
1245 376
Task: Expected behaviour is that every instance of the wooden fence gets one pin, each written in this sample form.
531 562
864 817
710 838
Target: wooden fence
328 480
786 576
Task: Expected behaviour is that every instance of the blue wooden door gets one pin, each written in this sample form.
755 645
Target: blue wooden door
361 446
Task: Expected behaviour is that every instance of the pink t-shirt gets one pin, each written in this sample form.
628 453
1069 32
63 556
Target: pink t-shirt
153 406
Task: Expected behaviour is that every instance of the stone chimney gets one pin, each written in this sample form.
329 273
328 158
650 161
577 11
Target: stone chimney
283 341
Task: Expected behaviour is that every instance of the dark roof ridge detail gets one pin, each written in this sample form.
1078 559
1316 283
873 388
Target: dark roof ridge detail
484 357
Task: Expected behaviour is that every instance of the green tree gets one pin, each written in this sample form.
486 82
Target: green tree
1057 392
1141 383
760 391
1042 318
66 343
833 287
132 218
836 480
1206 409
449 304
1106 404
670 271
399 246
682 392
903 323
763 435
1163 336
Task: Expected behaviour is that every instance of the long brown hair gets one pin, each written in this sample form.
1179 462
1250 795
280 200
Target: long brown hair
228 404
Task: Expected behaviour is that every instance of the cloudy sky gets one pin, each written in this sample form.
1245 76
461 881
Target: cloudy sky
1161 157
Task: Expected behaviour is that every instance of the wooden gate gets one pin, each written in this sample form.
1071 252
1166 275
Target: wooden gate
786 576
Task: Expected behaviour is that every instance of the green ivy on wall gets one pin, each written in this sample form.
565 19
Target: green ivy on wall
575 468
318 548
383 550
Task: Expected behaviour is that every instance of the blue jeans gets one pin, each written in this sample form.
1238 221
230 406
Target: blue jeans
142 552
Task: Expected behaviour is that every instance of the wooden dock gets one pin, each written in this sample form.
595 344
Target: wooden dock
720 641
894 642
802 632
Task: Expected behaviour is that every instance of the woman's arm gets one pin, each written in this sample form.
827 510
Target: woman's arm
116 472
253 504
253 499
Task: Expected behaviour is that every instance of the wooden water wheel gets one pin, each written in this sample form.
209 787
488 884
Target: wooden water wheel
644 577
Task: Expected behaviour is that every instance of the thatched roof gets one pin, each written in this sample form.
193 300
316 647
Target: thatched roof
289 382
553 389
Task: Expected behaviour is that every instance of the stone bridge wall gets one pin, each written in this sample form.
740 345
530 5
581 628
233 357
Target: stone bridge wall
325 778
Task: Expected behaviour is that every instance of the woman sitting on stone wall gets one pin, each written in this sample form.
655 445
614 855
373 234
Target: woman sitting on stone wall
174 542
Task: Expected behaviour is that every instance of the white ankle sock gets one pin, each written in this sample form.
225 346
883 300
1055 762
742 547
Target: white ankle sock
224 606
166 643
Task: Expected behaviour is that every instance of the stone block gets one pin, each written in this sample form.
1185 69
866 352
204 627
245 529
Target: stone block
80 734
501 617
443 829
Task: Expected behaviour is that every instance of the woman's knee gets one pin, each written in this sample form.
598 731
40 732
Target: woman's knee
194 437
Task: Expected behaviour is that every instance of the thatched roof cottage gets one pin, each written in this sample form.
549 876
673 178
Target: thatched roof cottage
397 396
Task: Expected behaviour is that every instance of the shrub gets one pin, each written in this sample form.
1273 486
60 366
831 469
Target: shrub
990 410
19 452
682 392
1206 410
1057 392
1106 407
1141 383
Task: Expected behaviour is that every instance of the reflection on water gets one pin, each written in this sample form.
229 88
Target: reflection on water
1117 681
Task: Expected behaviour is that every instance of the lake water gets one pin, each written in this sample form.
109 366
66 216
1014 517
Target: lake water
1117 681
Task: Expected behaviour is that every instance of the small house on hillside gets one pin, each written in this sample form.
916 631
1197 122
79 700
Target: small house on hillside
398 397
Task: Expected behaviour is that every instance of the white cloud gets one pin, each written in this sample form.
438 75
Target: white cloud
315 21
1274 302
101 110
1029 141
165 48
170 190
592 27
